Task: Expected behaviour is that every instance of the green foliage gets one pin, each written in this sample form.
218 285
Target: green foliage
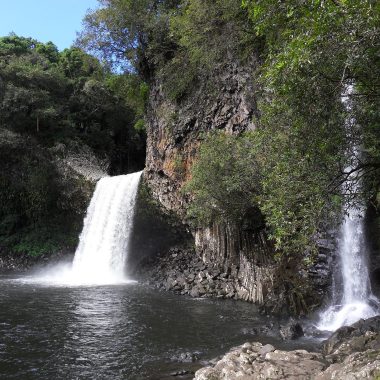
52 98
38 215
225 180
238 178
179 41
315 51
132 90
60 97
129 32
211 30
208 34
76 64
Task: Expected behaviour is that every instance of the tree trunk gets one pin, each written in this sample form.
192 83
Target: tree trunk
38 124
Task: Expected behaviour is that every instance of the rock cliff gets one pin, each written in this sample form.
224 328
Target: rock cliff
175 132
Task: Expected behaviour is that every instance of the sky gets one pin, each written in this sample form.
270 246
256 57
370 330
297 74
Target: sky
44 20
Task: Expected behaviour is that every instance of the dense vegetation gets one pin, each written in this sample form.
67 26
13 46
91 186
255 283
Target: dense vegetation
318 74
65 96
318 66
54 102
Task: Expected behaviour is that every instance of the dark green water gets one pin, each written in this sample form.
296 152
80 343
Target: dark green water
113 332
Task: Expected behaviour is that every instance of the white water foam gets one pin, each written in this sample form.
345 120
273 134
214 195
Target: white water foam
357 301
356 298
103 245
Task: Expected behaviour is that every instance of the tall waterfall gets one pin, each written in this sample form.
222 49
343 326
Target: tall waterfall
352 297
103 246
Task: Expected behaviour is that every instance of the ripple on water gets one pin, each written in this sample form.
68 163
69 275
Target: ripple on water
122 331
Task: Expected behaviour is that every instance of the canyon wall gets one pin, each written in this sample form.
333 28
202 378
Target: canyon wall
175 132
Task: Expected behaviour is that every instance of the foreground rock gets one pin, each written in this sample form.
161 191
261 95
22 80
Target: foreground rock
255 361
350 353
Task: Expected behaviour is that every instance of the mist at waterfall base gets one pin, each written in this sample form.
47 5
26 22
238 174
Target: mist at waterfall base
103 244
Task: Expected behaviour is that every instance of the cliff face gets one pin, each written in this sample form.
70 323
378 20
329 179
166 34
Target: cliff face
175 132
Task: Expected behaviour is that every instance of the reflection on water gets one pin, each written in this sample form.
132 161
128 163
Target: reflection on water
111 332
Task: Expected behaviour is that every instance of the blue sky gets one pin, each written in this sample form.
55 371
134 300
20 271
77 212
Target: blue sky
45 20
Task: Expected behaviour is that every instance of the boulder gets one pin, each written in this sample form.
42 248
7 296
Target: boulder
292 330
254 361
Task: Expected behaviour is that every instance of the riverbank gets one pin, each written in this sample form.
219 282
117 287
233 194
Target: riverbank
350 353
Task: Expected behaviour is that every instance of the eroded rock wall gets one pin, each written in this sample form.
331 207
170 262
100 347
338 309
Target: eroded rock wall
246 256
175 129
175 132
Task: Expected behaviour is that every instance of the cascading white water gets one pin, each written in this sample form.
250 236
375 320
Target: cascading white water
103 246
356 300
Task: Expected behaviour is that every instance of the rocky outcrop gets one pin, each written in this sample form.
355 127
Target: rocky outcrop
174 135
245 255
255 361
155 230
350 353
184 272
175 129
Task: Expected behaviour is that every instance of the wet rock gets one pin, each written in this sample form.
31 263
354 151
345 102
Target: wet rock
255 361
186 357
361 336
352 353
181 373
194 293
359 365
292 330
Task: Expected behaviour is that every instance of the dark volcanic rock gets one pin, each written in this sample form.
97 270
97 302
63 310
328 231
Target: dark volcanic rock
183 272
292 330
361 336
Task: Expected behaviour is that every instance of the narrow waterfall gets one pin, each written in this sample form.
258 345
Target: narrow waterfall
352 297
103 246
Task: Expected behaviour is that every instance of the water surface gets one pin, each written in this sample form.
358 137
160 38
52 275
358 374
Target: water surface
113 332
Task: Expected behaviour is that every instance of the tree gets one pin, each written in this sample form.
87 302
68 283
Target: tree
132 34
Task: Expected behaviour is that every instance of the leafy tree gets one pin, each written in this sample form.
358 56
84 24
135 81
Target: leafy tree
226 180
76 64
134 34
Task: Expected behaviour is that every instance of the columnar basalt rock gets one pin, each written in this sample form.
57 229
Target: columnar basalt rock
247 256
175 132
174 135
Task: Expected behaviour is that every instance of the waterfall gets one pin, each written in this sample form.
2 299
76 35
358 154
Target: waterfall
352 297
103 246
